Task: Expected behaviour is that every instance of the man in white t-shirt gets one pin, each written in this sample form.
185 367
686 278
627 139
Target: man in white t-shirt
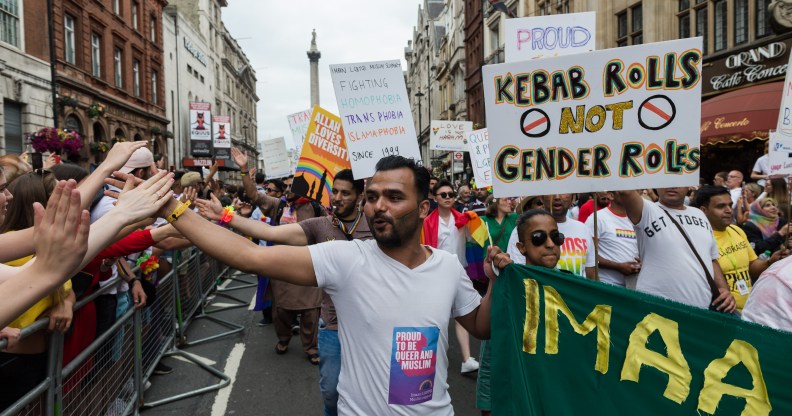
394 297
734 182
670 269
577 253
618 248
761 169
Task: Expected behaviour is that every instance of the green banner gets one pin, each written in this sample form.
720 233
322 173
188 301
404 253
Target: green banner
562 345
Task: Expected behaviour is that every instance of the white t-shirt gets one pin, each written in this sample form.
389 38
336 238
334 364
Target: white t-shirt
770 301
762 166
393 326
735 195
575 253
669 268
452 239
617 242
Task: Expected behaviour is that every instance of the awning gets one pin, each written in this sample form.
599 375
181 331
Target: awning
744 114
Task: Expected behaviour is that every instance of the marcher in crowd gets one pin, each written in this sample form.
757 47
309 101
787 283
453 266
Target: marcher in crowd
619 262
765 229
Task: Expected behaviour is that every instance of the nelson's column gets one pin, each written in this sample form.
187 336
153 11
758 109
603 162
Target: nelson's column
313 57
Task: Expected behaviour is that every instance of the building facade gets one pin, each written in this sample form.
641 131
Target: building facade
25 80
109 70
189 75
421 55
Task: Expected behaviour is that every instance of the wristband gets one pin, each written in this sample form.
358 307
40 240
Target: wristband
228 215
242 174
178 211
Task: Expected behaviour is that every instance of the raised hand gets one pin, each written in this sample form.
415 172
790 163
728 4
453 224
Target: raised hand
190 194
120 153
143 199
212 209
240 158
495 259
61 228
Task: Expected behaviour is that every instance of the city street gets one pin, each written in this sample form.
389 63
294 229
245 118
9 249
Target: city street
263 383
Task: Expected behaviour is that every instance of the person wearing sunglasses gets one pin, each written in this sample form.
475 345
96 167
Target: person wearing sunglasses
446 229
575 253
539 243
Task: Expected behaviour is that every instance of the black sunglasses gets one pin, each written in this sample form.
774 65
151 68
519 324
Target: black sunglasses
272 190
447 194
539 237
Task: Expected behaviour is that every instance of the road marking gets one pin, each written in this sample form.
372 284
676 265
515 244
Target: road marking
225 283
222 305
252 302
231 369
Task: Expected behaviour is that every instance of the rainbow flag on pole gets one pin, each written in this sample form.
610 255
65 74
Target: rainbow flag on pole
478 230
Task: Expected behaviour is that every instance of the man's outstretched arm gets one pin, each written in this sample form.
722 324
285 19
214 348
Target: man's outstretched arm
290 264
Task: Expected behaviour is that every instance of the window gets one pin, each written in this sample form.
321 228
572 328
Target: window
136 77
684 26
118 65
12 114
494 39
154 87
701 27
9 22
135 23
684 5
720 25
637 24
96 55
68 35
740 21
562 6
117 7
621 29
153 28
762 18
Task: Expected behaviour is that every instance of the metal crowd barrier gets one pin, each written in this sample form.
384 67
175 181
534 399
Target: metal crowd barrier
108 377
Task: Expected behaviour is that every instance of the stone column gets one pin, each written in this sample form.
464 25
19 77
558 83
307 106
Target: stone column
313 58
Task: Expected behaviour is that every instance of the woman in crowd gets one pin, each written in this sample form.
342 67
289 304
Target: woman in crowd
776 188
500 219
750 193
540 243
24 365
765 228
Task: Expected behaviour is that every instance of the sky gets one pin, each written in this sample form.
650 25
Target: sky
275 36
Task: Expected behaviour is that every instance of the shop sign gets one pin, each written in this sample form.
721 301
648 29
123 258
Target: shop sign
721 123
195 52
746 67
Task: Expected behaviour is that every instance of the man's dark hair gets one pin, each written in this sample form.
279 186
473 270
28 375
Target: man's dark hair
260 178
346 175
705 194
278 184
723 175
421 175
522 220
177 175
65 171
441 183
435 178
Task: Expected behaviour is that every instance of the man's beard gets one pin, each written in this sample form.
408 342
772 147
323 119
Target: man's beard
400 228
342 213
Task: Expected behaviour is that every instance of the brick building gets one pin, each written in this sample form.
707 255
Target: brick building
107 53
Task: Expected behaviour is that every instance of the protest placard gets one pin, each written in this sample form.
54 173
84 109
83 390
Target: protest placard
600 349
324 154
449 135
201 129
551 35
276 158
298 123
221 126
784 127
624 118
375 113
780 154
478 146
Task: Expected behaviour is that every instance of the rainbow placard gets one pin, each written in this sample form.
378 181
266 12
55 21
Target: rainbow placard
324 153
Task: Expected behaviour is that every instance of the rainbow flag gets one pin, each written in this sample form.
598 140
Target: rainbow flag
478 230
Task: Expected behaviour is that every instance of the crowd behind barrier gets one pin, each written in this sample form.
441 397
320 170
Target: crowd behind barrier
108 377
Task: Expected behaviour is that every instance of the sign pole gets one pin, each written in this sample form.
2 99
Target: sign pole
596 240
